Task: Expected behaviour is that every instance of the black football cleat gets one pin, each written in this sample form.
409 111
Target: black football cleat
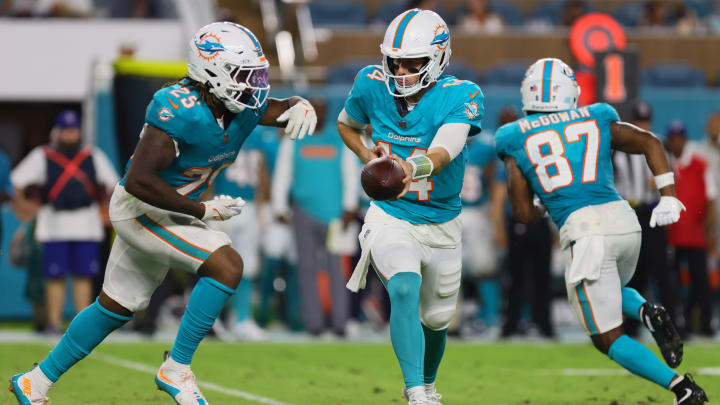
657 320
689 393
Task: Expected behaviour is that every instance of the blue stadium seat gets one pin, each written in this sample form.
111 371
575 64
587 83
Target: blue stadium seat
629 14
338 14
394 8
344 73
549 11
463 71
507 73
510 13
673 74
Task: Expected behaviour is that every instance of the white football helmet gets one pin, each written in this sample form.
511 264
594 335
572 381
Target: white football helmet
415 34
549 85
227 57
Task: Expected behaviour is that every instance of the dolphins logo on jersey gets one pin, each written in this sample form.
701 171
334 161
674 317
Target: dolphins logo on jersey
208 46
164 114
442 35
472 110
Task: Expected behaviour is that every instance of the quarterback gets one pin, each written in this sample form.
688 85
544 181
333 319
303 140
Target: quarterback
562 154
422 119
193 129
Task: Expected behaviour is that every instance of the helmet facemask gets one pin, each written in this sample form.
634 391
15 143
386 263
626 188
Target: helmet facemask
398 85
244 86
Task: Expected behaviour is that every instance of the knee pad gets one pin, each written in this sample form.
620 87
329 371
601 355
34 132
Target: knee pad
438 318
404 287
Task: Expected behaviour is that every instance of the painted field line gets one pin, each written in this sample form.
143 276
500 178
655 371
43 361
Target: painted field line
117 361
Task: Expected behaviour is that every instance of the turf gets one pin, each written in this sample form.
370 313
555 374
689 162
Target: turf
350 373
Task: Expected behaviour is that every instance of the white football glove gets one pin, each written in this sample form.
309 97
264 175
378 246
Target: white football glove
301 120
666 212
222 208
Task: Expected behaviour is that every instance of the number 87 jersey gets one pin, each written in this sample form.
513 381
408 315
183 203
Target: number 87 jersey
565 156
435 199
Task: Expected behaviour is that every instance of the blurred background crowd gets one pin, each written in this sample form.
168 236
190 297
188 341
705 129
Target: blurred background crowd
77 75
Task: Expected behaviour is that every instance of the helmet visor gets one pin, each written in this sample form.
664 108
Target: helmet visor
250 85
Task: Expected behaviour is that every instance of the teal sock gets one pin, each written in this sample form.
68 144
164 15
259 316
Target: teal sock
292 298
639 360
406 332
206 301
434 349
631 302
267 290
241 300
90 327
490 294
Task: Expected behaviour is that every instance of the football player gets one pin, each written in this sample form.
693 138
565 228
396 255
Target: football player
193 129
422 119
562 154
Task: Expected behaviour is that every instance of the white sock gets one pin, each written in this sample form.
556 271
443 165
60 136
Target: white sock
175 365
416 391
43 383
430 387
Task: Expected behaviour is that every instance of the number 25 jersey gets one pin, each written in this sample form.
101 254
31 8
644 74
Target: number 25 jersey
565 156
435 199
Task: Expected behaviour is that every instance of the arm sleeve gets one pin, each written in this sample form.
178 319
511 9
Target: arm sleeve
106 174
282 178
347 120
350 175
355 105
452 138
31 170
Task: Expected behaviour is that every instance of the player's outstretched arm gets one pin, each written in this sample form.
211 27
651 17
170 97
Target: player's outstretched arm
154 153
630 139
521 195
296 114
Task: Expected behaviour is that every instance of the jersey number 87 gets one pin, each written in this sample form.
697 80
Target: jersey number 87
564 175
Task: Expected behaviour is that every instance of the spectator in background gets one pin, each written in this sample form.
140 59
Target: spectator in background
711 149
72 178
693 234
634 183
713 20
320 177
573 10
481 18
52 8
656 15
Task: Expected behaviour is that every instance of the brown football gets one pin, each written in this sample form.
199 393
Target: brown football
382 178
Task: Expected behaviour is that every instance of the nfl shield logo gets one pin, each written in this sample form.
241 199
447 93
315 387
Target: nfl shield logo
403 124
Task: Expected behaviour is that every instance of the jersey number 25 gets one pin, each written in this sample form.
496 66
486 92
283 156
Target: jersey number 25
563 175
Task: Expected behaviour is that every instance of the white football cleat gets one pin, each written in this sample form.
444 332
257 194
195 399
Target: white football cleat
30 388
179 382
248 330
432 395
417 397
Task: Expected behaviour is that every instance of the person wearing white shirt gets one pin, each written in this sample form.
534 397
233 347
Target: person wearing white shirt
72 180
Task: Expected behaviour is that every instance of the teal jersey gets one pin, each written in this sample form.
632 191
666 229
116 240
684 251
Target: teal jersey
435 199
565 156
270 141
241 178
203 147
481 155
317 185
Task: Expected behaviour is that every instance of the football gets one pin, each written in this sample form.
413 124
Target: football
382 178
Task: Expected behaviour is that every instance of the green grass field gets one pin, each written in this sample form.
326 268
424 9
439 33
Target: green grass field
350 373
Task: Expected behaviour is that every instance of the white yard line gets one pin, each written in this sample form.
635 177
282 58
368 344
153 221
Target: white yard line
117 361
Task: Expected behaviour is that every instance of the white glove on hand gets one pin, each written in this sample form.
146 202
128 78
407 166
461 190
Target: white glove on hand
301 120
666 212
222 208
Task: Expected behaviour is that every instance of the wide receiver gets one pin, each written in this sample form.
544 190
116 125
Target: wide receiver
193 129
421 119
562 154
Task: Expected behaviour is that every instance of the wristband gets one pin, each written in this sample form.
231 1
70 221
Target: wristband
422 166
664 180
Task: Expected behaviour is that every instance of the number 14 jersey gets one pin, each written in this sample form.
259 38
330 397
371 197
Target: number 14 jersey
565 156
435 199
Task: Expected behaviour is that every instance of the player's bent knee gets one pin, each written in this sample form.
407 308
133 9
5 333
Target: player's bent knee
113 306
603 341
438 318
224 266
404 287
